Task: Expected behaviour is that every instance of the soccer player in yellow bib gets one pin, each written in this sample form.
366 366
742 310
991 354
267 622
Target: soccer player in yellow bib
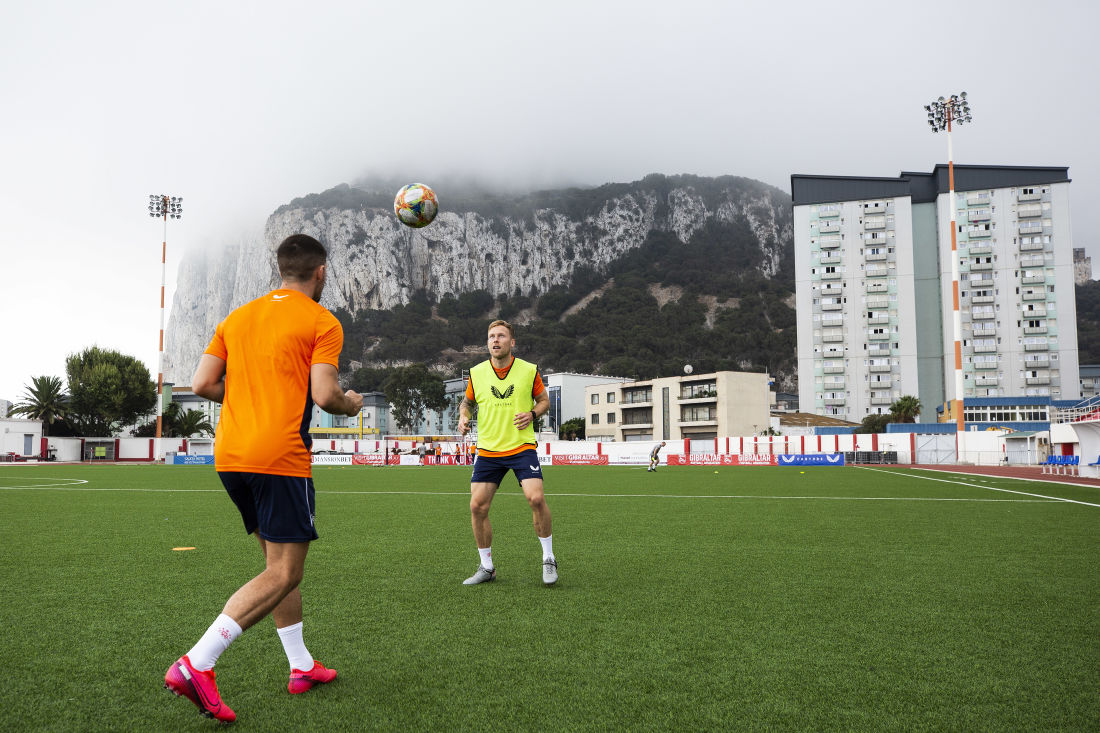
510 396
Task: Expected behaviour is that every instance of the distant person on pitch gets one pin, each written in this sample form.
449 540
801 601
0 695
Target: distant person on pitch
510 396
654 456
269 362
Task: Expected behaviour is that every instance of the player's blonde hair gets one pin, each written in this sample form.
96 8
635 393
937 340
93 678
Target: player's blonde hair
506 324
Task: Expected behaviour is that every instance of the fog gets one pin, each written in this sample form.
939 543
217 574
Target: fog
240 107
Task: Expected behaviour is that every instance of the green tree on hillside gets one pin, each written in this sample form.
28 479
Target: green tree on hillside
410 391
44 399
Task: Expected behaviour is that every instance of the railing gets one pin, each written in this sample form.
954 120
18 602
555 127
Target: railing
1087 409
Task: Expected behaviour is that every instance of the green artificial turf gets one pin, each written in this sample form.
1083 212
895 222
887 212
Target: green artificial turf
751 598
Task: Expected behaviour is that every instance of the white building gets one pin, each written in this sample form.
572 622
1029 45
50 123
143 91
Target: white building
568 397
22 438
874 294
696 406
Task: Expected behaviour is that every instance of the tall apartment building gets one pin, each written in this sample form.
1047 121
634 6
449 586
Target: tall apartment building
874 296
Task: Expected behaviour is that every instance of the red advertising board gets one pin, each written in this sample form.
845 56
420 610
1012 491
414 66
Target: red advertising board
721 459
579 459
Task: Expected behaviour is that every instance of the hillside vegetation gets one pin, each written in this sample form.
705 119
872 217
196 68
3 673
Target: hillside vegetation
728 315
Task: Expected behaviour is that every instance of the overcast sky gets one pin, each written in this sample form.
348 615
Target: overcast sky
240 106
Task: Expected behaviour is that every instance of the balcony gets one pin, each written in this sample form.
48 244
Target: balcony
834 275
831 337
981 283
982 232
1037 347
832 306
985 365
879 368
1034 313
697 423
832 322
981 249
1031 227
976 265
884 336
985 348
825 212
979 214
878 304
1039 295
876 320
834 384
1034 279
1032 262
975 299
829 259
881 401
1042 379
984 333
1034 330
1037 362
875 256
830 291
982 315
828 226
874 207
872 223
1029 211
1031 246
881 384
834 401
1030 196
834 370
877 287
978 199
986 381
830 242
877 272
879 350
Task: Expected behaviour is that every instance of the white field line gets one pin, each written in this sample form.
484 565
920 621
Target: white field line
979 486
75 487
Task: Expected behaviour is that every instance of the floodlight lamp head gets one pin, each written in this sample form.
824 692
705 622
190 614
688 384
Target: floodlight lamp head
962 95
941 100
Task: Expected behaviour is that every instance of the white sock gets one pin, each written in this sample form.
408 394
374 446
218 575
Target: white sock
547 547
215 641
486 557
296 652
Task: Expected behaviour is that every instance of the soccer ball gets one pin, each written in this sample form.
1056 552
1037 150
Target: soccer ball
688 369
416 205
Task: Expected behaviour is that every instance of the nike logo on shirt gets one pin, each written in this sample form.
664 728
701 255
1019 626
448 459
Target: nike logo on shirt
280 297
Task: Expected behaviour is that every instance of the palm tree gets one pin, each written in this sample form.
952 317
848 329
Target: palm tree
189 423
44 400
906 408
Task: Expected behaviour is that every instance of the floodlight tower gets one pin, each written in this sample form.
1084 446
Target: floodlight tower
941 114
163 206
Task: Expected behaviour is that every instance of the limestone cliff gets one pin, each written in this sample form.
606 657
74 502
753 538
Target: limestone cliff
527 244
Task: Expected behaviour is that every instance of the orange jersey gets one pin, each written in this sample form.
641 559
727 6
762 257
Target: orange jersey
536 389
269 346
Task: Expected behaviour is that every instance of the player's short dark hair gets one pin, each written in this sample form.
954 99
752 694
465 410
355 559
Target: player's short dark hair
506 324
299 256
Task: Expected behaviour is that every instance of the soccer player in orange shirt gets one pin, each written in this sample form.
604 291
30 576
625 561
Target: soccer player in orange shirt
269 362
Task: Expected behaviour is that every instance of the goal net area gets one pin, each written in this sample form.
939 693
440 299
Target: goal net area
429 450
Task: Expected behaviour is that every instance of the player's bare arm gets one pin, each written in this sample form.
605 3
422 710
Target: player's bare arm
326 392
465 411
209 381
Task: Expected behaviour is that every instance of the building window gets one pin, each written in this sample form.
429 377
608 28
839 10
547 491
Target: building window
595 418
611 418
610 398
595 399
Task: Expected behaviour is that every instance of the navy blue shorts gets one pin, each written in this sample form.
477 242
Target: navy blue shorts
280 507
491 470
